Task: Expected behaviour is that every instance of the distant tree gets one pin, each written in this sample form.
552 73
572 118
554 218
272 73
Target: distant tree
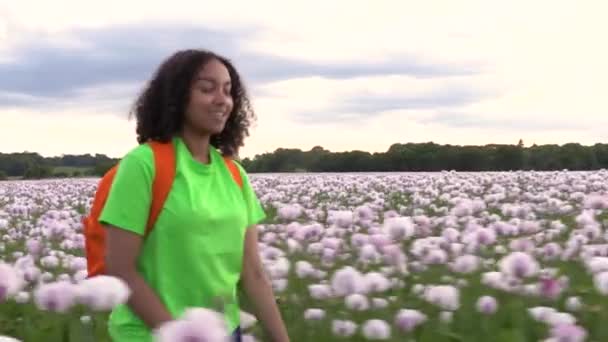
37 171
61 174
101 168
601 155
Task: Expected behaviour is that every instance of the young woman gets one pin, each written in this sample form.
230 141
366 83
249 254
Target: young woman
205 239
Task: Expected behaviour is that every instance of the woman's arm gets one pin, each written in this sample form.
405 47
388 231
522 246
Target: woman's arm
122 250
259 290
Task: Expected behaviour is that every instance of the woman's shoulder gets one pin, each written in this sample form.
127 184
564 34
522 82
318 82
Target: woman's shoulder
140 156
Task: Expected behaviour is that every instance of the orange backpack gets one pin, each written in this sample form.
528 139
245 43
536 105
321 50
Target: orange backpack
94 233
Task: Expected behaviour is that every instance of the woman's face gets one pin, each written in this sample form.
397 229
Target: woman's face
210 100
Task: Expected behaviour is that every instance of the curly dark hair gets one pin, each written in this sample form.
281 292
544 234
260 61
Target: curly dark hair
159 109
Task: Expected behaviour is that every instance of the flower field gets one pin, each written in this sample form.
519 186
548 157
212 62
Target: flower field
518 256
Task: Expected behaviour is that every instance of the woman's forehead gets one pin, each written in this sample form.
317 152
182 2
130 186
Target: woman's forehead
214 69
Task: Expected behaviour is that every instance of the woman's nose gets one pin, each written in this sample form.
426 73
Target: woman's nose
220 97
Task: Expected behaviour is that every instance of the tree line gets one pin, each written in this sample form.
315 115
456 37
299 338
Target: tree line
399 157
435 157
29 165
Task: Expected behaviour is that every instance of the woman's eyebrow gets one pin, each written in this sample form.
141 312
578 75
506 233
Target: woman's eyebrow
212 80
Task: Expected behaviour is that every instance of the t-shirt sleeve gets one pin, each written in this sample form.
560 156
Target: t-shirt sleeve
255 211
128 203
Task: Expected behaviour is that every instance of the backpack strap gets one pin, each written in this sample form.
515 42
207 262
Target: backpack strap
236 174
164 164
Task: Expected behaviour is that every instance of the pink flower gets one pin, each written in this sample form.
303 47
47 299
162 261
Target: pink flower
407 319
550 288
33 247
304 269
485 236
519 265
289 212
375 282
343 328
486 305
357 302
58 296
347 281
376 329
600 280
364 213
595 201
103 293
343 218
11 281
465 264
314 314
399 228
319 291
446 297
197 324
568 333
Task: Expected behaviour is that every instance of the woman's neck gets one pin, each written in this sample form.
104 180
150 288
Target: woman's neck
198 145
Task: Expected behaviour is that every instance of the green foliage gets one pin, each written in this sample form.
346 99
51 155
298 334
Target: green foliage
434 157
37 171
413 157
27 323
33 166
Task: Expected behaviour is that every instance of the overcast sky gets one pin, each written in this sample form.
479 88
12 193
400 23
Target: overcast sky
346 75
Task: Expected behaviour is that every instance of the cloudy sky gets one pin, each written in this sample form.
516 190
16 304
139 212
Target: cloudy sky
345 75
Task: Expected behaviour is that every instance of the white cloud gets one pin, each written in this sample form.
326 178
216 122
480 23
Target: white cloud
539 60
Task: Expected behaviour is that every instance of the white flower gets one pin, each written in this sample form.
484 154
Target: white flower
279 268
357 302
58 296
573 303
376 329
407 319
319 291
446 316
304 269
444 296
247 320
347 281
248 338
11 281
557 318
436 257
103 293
600 280
376 282
279 285
8 339
379 303
486 305
343 328
197 324
399 228
466 264
314 314
541 313
22 297
49 261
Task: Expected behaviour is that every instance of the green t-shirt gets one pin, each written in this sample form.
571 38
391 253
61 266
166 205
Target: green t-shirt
193 257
